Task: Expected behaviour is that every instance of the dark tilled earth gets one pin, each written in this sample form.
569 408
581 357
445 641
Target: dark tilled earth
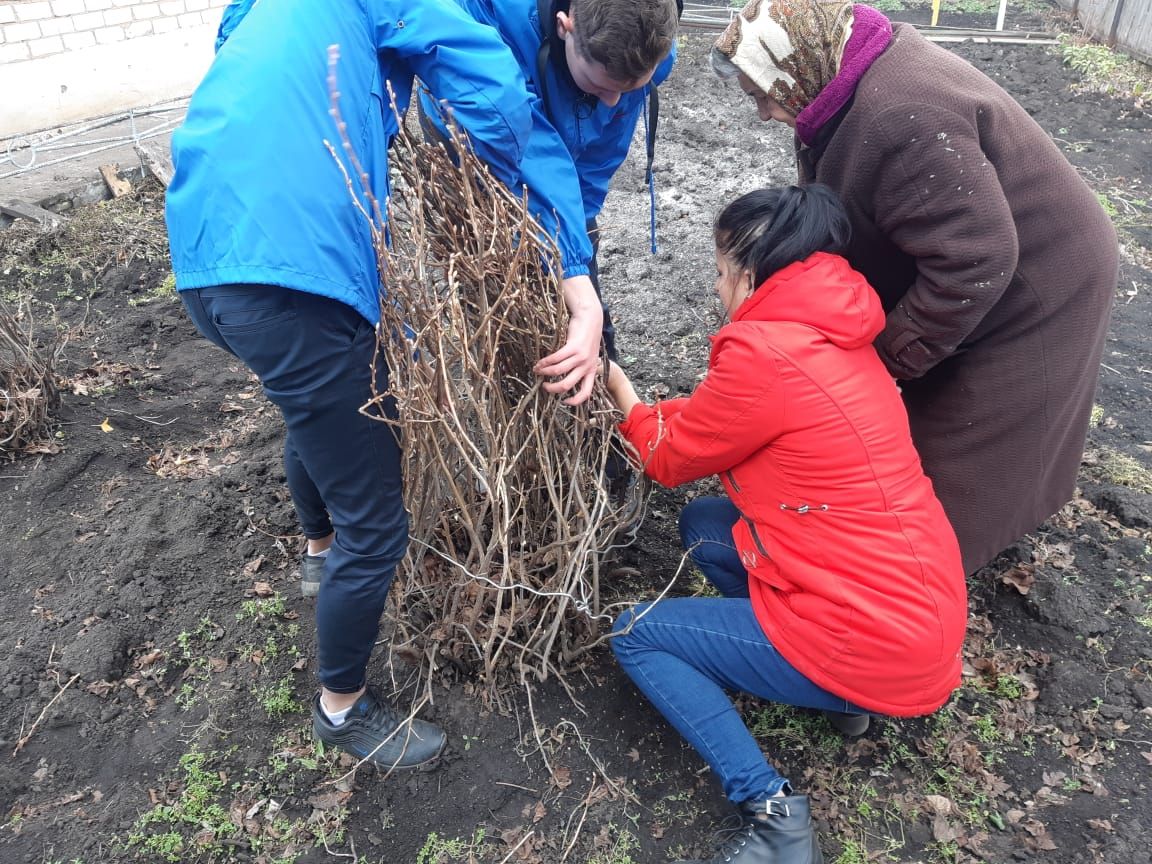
157 658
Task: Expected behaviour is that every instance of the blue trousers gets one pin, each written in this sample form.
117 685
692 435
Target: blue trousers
312 356
684 652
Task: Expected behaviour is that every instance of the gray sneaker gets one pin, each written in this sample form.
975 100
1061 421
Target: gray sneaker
311 573
375 730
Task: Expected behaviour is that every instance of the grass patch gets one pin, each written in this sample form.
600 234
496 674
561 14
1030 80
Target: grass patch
205 815
262 608
1103 70
165 289
614 846
441 850
279 698
1123 470
799 730
161 831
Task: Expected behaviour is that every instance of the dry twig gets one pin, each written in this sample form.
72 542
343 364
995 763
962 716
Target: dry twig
25 738
28 393
510 510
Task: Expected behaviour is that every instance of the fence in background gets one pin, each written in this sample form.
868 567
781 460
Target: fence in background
1123 24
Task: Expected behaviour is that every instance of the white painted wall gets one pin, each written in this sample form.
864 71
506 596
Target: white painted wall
62 61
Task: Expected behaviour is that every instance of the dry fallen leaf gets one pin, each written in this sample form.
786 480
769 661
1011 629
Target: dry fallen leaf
562 777
105 426
938 804
1021 578
1038 832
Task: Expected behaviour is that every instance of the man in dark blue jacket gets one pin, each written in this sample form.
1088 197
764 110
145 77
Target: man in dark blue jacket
591 67
276 265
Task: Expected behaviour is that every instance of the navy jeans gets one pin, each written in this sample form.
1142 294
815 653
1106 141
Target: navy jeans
312 356
684 652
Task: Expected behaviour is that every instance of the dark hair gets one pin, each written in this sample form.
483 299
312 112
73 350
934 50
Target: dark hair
629 38
766 230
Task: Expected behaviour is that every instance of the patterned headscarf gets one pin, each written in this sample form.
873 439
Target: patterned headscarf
791 49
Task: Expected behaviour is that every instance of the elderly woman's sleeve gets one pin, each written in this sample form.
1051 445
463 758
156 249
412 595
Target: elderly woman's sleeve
938 198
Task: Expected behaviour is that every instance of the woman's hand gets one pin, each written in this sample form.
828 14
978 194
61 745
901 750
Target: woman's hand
621 390
578 360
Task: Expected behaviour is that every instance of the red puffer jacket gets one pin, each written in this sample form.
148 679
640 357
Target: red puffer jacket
854 570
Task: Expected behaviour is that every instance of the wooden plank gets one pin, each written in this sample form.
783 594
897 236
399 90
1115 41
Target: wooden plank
21 210
156 160
111 176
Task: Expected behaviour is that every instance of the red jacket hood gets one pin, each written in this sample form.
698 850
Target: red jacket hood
823 292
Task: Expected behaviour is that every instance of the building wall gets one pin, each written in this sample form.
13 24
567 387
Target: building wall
68 60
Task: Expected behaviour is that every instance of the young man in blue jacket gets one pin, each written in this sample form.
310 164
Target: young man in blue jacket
591 67
275 264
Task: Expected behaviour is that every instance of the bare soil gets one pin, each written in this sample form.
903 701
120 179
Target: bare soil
156 656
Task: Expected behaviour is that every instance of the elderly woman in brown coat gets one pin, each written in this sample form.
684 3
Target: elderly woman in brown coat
995 262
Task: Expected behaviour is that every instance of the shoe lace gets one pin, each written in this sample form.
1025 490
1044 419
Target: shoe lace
381 716
735 842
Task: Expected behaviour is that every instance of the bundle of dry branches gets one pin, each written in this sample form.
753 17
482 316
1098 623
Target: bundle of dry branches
28 394
511 511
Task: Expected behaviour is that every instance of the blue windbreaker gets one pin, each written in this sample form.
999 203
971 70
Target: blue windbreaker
573 153
258 198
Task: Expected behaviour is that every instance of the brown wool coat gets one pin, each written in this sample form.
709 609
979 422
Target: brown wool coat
997 268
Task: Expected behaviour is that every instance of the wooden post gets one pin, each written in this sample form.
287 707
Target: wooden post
935 12
21 210
116 185
1115 23
1000 15
156 160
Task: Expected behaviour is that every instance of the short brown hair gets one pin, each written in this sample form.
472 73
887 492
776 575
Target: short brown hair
628 38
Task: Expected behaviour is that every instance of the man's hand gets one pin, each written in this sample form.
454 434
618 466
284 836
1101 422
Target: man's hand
577 362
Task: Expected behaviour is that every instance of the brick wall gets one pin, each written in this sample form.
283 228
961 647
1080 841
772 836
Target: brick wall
31 29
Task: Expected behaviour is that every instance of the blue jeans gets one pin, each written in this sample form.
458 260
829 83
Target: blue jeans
684 652
312 356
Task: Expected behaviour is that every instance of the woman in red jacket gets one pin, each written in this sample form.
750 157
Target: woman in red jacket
842 581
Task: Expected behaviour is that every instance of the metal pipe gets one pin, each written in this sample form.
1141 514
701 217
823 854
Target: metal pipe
90 152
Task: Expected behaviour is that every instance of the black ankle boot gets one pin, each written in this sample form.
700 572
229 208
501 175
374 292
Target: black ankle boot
775 831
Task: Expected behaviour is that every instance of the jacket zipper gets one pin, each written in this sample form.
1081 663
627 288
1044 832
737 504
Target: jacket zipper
756 537
732 479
